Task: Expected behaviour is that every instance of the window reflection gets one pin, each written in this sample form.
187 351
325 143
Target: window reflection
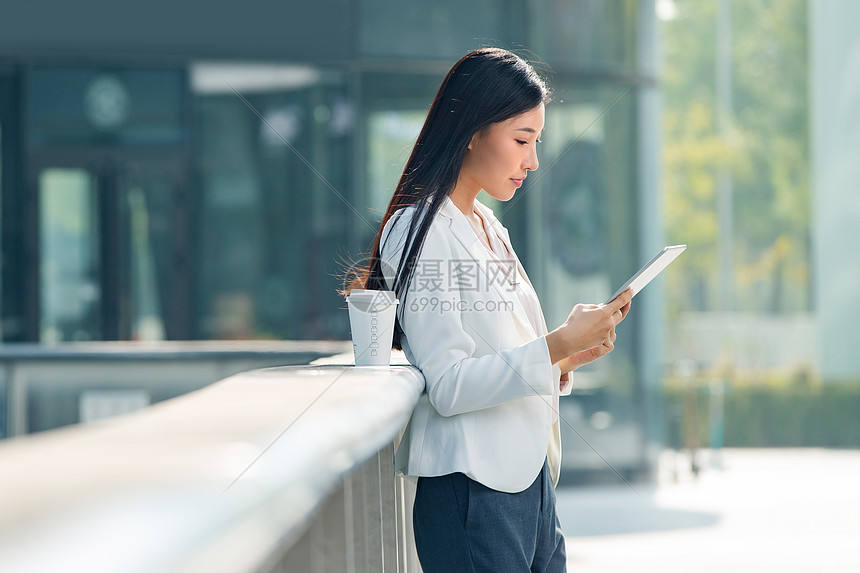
69 265
587 35
146 322
274 189
390 135
586 185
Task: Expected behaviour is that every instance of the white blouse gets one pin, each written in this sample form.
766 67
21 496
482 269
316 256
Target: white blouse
507 263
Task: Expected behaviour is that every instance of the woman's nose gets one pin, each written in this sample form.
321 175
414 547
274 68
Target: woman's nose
532 163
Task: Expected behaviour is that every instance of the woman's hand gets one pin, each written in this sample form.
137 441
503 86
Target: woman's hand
589 331
574 361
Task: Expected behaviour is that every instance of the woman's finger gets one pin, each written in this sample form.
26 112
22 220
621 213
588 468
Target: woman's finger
624 310
621 300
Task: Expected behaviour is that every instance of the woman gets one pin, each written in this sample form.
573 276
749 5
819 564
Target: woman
483 441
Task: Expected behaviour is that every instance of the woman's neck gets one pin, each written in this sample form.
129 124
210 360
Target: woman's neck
463 196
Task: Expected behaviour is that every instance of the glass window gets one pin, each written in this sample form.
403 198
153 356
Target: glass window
152 247
69 263
276 200
590 35
105 106
426 30
394 107
391 135
582 235
586 194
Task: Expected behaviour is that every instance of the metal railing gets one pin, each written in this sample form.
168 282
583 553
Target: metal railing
279 469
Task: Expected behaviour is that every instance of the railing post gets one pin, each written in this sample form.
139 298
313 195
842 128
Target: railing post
388 508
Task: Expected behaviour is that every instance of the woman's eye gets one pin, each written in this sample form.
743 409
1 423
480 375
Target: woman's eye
521 142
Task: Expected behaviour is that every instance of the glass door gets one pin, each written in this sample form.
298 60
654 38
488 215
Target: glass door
113 261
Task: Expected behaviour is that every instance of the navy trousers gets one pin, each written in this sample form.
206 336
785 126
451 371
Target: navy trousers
463 526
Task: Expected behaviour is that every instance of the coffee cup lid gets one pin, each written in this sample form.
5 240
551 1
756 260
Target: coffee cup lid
368 295
372 297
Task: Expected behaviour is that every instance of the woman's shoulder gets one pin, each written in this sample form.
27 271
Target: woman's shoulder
397 227
404 214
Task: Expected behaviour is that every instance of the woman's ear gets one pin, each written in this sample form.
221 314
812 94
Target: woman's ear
471 141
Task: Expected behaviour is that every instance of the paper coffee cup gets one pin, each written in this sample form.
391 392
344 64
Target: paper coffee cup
371 321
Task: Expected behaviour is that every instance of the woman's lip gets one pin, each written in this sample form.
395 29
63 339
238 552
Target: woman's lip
517 182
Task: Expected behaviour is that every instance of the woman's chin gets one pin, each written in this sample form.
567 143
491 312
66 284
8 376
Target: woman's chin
503 196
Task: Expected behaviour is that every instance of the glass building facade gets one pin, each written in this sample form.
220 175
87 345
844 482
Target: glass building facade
212 181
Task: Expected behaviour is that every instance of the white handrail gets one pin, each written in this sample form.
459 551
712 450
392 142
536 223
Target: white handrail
217 480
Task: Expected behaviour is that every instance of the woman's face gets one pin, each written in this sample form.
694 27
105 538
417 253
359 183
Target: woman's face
500 156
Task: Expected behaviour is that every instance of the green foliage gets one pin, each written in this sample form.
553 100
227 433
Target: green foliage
764 151
797 415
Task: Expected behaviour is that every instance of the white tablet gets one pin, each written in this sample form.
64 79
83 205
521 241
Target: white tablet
647 273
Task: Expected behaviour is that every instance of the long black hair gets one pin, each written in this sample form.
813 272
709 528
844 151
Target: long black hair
486 86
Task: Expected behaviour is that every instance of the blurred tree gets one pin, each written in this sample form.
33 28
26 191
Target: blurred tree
765 151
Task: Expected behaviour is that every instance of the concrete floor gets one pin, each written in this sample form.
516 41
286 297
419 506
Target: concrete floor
782 510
